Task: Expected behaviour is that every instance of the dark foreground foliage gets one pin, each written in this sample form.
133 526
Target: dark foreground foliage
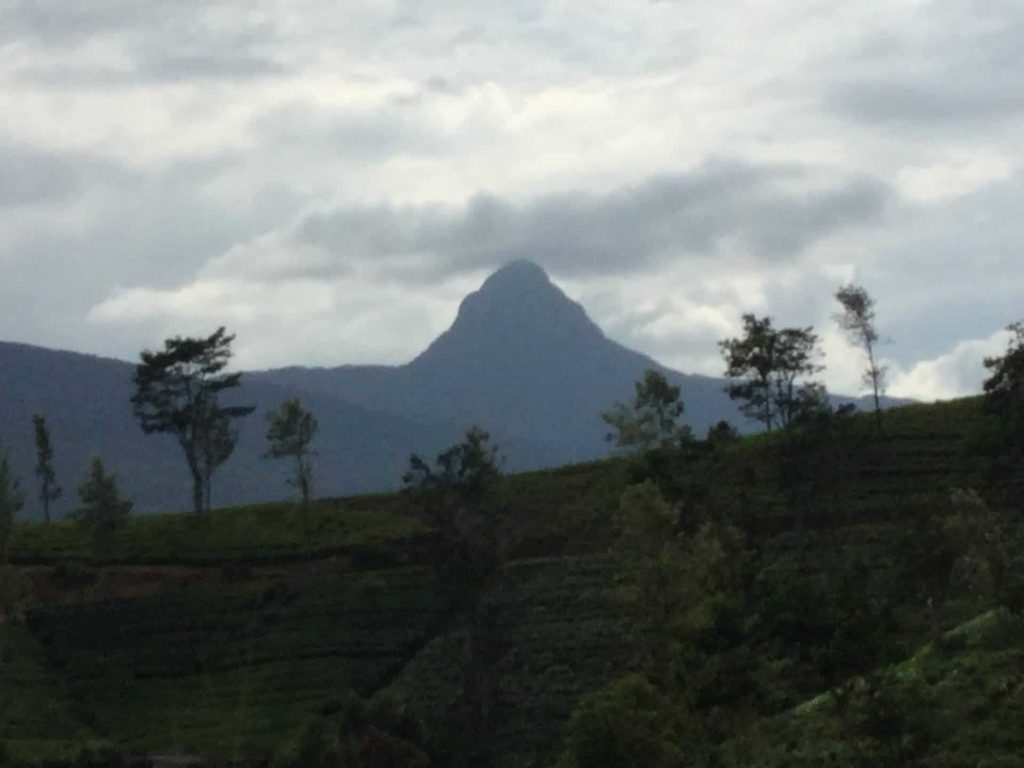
835 595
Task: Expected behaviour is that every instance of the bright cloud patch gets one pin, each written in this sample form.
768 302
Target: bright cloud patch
959 372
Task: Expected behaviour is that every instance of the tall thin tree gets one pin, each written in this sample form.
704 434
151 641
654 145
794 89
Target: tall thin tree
290 430
49 488
752 359
858 320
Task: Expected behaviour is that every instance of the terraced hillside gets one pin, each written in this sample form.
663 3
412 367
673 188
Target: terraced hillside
234 636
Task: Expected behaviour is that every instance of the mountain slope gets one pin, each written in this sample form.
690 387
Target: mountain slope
86 403
520 358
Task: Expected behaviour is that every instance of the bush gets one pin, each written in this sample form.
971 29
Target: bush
628 723
354 733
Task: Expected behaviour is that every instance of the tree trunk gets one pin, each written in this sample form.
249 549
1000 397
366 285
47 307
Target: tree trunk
874 386
197 491
302 474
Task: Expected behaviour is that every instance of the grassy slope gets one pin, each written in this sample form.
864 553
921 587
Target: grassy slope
233 670
254 534
37 716
966 693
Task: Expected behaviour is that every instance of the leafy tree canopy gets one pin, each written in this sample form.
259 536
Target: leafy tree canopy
177 391
290 430
101 509
767 365
652 419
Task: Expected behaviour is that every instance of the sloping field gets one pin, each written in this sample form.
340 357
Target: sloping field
260 620
37 714
963 694
233 672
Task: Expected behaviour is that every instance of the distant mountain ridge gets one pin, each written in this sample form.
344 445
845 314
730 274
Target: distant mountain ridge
521 360
86 402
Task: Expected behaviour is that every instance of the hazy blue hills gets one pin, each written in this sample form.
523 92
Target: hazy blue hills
521 359
86 402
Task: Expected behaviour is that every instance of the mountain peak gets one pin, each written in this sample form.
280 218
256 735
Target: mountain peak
517 277
517 307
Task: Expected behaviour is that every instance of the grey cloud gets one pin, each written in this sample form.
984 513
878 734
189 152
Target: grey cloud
151 227
890 101
54 22
361 136
954 271
163 41
30 178
764 209
962 66
178 65
35 177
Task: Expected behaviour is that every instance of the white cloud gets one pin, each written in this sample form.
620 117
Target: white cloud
958 372
277 322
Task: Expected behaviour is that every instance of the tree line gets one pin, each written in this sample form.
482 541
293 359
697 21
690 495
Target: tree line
181 391
178 392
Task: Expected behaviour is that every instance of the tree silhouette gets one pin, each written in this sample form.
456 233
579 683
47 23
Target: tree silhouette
290 430
652 419
458 495
1004 398
49 489
858 320
11 501
768 365
177 392
102 509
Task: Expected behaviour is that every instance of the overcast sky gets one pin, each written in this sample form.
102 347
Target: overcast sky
329 179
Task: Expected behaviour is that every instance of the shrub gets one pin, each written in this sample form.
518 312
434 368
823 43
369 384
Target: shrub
628 723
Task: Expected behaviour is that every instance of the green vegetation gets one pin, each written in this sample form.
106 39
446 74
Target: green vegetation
858 321
819 595
234 671
49 488
767 366
652 419
368 527
102 510
37 714
177 392
290 430
11 501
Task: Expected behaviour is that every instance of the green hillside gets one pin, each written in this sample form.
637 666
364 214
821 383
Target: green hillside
251 634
